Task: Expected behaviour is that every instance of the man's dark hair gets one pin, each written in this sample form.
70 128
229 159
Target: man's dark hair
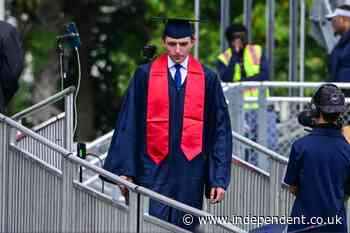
330 117
163 37
234 28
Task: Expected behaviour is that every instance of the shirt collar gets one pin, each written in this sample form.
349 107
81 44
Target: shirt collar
327 131
183 64
345 38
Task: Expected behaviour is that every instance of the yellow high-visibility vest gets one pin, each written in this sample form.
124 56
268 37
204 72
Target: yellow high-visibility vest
251 62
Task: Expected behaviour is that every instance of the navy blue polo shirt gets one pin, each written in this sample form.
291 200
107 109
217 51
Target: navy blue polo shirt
319 165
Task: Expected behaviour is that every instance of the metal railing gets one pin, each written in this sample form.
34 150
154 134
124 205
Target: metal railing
254 191
274 122
58 129
37 197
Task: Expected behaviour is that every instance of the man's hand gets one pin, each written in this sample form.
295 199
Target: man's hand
237 46
217 194
293 189
123 189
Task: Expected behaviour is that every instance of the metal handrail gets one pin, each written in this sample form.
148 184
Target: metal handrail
133 187
241 161
295 99
284 84
48 101
99 140
70 155
178 205
237 136
260 148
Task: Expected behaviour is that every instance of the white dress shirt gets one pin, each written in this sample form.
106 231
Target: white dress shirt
183 69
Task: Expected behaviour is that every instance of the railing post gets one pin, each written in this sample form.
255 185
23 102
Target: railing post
262 116
275 185
239 114
69 121
240 110
231 98
133 220
69 170
144 207
4 182
262 125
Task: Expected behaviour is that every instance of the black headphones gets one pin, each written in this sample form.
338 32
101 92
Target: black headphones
315 105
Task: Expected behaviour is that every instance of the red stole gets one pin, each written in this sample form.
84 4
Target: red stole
158 108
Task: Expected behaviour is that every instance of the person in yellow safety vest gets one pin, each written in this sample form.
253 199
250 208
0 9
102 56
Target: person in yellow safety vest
241 62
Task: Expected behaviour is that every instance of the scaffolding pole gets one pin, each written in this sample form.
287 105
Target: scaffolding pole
196 27
247 16
293 42
224 22
302 44
270 42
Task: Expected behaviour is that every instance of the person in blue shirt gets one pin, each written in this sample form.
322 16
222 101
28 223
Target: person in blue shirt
318 171
173 133
339 59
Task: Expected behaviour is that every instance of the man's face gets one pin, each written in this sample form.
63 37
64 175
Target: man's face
337 23
178 49
238 41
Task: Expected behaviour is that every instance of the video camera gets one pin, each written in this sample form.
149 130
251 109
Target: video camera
305 118
148 53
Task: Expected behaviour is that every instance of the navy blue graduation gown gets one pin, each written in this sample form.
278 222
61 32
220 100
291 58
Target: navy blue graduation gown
175 177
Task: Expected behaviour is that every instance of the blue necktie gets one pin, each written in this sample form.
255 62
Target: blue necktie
178 76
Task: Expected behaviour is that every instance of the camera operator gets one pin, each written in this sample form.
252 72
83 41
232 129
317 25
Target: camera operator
318 171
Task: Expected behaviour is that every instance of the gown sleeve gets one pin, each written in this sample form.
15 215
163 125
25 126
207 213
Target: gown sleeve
221 156
124 148
11 62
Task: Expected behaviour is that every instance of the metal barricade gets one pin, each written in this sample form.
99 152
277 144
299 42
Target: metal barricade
273 122
255 192
58 129
37 197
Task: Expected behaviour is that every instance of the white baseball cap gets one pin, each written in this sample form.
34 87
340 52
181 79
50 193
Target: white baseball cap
338 12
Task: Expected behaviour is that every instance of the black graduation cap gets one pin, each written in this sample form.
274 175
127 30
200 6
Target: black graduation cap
177 27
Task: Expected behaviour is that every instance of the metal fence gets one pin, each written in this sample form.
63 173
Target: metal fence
274 122
37 197
58 129
255 192
252 192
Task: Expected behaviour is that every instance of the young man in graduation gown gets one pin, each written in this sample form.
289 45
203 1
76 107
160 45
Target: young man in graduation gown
173 133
